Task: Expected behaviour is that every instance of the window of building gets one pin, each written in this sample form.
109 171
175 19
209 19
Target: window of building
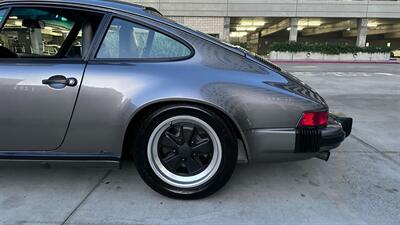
41 32
126 40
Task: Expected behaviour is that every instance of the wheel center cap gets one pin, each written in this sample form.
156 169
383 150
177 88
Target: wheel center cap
185 150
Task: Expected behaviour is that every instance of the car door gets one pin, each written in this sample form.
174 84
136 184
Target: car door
128 63
41 69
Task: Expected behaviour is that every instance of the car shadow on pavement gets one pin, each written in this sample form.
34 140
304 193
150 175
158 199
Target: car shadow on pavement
350 187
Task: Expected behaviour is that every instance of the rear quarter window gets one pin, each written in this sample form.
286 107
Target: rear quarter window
127 40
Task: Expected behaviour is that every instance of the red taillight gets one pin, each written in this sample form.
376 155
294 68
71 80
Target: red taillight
314 119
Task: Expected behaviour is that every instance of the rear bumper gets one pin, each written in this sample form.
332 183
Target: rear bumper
332 137
323 139
339 128
276 145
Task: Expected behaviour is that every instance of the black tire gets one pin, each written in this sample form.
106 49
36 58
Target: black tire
228 157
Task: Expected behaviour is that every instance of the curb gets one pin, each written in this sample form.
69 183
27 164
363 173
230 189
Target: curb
334 62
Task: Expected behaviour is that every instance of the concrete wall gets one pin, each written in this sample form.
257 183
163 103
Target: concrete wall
277 8
209 25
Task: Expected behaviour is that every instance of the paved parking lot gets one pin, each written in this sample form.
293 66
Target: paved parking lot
359 185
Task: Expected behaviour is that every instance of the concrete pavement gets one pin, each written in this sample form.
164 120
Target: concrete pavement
359 185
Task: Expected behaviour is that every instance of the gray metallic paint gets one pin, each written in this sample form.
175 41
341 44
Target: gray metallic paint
263 103
34 116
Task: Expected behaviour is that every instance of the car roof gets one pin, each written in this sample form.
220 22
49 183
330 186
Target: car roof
110 4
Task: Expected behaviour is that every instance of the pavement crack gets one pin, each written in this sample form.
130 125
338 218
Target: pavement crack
382 153
86 197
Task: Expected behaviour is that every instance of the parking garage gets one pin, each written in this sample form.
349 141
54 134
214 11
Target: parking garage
257 33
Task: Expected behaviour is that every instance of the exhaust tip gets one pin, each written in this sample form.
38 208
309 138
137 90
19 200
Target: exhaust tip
323 156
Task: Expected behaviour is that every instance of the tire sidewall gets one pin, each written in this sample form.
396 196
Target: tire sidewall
228 157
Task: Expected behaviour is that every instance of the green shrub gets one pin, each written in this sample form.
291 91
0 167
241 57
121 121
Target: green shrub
329 49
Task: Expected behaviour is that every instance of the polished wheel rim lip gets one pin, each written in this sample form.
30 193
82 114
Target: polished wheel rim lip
177 180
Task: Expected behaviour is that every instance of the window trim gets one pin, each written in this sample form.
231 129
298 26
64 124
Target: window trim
42 60
141 60
85 58
6 14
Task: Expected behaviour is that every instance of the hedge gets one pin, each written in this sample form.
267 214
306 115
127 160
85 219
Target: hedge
329 49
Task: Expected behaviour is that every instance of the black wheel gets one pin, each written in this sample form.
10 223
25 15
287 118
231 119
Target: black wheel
185 152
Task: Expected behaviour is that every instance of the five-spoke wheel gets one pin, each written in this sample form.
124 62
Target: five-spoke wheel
185 151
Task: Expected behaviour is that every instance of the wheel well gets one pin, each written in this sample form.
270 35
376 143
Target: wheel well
139 116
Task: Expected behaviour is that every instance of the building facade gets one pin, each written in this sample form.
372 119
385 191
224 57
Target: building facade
258 23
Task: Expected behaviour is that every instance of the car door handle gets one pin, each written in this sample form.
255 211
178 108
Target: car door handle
59 81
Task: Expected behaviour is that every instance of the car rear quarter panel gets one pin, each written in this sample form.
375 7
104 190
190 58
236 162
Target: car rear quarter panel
114 91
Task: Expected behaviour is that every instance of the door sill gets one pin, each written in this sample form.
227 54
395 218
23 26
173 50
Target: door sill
58 159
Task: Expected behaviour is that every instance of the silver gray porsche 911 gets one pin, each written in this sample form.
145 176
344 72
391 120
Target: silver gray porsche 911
93 81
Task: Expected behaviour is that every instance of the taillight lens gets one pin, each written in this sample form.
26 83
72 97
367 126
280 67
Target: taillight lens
314 119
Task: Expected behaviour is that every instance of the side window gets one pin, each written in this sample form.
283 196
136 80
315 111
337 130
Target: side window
126 40
45 32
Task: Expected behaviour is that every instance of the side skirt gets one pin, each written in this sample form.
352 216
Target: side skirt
59 159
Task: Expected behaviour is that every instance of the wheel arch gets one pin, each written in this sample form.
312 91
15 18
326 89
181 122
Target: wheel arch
141 113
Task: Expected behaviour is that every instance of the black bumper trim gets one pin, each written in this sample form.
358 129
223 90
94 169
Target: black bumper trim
346 122
308 140
332 136
313 140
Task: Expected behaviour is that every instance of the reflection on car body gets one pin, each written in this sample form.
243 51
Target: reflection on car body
109 79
